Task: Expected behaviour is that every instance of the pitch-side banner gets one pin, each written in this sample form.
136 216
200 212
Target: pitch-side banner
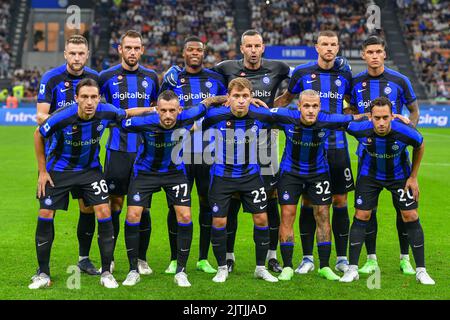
290 53
430 116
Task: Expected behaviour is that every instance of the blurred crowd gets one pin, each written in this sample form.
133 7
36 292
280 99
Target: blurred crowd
427 32
5 16
294 22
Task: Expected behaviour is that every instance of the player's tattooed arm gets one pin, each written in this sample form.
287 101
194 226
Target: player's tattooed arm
284 99
44 176
412 183
43 109
414 113
215 101
132 112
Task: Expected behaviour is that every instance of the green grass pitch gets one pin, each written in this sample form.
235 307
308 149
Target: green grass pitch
19 208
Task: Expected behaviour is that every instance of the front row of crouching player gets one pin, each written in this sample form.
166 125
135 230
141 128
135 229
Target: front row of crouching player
75 131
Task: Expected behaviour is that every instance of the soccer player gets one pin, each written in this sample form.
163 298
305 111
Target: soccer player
304 169
376 81
384 163
73 163
158 165
127 85
236 170
194 84
57 90
333 86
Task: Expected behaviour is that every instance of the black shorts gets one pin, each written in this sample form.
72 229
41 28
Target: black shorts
340 171
250 188
317 187
144 185
118 170
368 189
200 174
90 185
270 182
76 192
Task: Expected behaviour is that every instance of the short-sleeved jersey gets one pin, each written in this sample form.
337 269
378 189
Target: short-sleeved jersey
160 151
266 80
385 157
236 140
391 84
76 142
192 88
127 89
332 87
58 86
305 153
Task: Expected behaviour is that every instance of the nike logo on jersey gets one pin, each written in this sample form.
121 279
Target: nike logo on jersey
348 185
184 200
116 83
310 81
325 199
104 198
71 133
361 90
64 90
292 131
273 183
262 207
408 204
180 86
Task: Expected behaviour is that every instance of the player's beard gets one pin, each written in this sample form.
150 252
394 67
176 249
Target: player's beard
76 67
196 64
129 63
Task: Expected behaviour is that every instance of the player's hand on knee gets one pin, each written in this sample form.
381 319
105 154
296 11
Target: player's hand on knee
171 76
44 178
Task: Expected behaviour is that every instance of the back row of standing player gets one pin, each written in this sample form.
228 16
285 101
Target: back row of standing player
129 85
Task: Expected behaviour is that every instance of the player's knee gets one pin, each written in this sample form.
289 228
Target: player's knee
134 214
260 219
46 213
184 217
102 211
410 215
322 214
363 215
340 200
219 222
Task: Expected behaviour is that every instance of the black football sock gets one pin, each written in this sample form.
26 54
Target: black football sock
172 227
273 216
106 242
417 242
371 233
184 240
341 224
145 230
402 234
307 225
324 250
115 215
219 243
232 223
132 243
44 240
287 250
205 220
85 233
261 238
357 234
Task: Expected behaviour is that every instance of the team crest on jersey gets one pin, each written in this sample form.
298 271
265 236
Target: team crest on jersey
387 90
228 123
215 208
369 140
120 77
100 127
137 197
74 127
395 147
42 89
266 80
112 186
359 201
67 84
286 196
254 128
182 80
338 82
208 84
145 83
321 134
48 201
313 76
364 84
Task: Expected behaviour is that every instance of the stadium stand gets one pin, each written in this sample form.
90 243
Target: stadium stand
426 25
5 17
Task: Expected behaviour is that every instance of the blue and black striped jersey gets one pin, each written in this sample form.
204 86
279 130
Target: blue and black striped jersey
127 89
76 142
236 140
332 87
160 151
58 86
385 157
304 153
391 84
